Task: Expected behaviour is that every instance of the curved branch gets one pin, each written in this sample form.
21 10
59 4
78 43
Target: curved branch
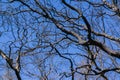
71 63
82 16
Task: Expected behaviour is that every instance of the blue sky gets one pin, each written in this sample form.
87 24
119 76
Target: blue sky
25 20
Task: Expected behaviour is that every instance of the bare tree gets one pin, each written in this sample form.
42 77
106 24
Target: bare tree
60 39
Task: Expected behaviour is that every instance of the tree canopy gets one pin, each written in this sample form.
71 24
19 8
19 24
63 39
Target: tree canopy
60 39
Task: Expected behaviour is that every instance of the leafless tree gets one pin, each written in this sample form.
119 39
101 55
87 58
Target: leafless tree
60 39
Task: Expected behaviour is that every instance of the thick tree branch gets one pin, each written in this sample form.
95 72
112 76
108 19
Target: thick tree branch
9 61
83 17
